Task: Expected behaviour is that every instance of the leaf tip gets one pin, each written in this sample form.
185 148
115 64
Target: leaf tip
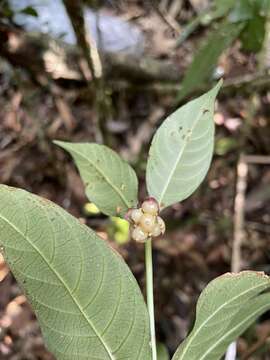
214 91
59 143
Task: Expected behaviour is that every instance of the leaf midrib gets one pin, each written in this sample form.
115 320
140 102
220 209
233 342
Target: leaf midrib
179 157
212 315
59 277
114 187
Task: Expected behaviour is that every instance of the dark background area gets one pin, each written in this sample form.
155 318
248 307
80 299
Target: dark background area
148 58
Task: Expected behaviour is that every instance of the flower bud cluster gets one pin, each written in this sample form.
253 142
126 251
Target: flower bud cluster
145 221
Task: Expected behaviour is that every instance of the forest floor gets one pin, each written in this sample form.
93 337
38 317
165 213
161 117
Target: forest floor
197 246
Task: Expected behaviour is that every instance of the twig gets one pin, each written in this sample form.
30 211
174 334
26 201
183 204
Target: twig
63 108
242 85
175 8
239 222
255 347
257 159
167 19
60 102
91 54
84 38
258 227
239 208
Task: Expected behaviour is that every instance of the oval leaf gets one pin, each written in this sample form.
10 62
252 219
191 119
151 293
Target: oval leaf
181 151
225 309
87 302
109 181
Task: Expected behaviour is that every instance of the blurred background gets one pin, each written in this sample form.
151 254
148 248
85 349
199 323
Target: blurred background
110 72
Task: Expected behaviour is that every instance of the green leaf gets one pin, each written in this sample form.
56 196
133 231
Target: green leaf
243 10
181 150
253 36
226 144
29 10
162 352
217 10
264 7
109 181
86 300
222 7
202 68
248 9
225 309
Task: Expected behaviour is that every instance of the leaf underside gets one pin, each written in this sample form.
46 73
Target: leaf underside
225 309
181 151
109 181
87 302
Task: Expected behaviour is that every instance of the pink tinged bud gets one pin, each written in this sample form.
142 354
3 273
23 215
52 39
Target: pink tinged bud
150 206
128 214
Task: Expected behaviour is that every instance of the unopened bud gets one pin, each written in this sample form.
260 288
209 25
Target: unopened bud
136 215
138 234
147 222
150 206
156 230
161 224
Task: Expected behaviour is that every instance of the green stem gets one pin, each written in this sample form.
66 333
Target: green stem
150 295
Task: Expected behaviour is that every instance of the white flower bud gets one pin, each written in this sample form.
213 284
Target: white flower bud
156 230
150 206
147 222
161 224
138 234
136 215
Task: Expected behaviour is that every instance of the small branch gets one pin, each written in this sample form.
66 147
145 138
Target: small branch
166 18
257 159
85 41
264 335
239 208
239 221
39 53
93 59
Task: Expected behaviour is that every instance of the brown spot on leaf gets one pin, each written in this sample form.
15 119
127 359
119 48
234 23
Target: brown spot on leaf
118 209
